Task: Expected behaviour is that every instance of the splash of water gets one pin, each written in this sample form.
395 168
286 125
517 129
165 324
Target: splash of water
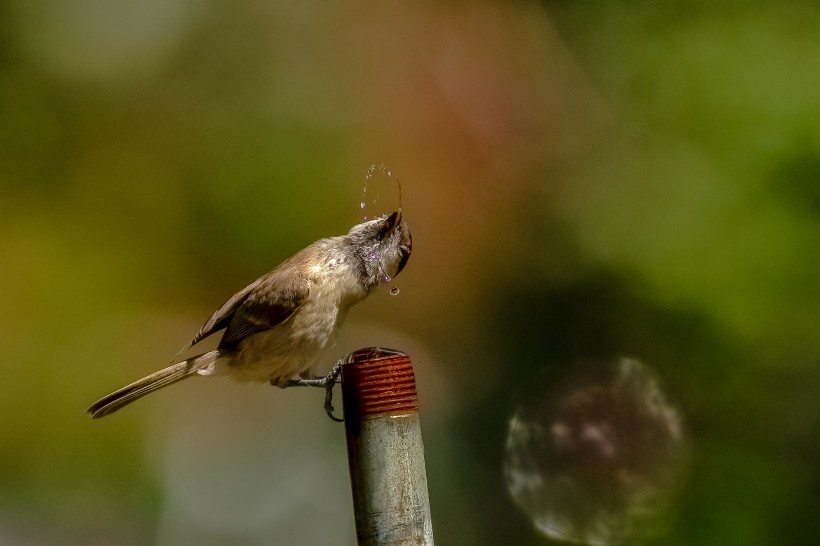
372 171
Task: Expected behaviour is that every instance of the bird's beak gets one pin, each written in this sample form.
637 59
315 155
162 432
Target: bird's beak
393 220
406 245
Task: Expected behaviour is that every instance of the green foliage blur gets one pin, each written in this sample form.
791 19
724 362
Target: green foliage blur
582 180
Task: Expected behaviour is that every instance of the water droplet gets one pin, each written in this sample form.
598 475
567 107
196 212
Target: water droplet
387 278
394 291
372 256
362 205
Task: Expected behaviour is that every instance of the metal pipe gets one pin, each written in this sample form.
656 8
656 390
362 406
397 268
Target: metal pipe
385 451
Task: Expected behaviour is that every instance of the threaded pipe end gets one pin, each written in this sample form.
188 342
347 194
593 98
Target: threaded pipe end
378 382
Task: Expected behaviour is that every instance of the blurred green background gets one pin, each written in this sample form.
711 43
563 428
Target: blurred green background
582 180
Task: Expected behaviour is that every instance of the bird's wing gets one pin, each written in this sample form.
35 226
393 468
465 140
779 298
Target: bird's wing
271 304
223 315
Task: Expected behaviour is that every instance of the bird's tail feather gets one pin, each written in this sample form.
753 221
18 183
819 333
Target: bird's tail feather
157 380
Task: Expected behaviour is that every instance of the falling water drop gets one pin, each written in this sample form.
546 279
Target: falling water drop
394 291
387 278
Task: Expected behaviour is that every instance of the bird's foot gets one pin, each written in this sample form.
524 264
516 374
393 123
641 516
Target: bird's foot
327 382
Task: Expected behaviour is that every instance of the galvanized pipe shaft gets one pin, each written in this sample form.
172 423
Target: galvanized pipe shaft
385 450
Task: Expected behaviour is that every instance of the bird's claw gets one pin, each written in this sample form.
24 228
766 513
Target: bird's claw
327 382
329 405
332 378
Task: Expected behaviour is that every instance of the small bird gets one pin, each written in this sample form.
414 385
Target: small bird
276 328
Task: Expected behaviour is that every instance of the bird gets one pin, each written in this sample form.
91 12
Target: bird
276 328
